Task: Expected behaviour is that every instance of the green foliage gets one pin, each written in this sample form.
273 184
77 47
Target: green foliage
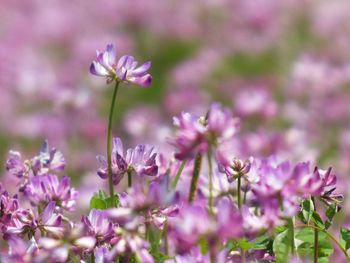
307 209
244 244
204 247
101 201
262 242
305 244
308 214
344 238
281 246
154 237
332 210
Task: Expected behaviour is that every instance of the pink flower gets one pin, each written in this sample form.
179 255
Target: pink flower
125 70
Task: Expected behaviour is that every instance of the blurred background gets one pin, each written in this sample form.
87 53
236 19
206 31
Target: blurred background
282 66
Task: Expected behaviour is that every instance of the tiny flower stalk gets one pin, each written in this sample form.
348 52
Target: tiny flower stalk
109 142
210 166
239 196
195 176
292 234
178 174
129 178
165 237
315 235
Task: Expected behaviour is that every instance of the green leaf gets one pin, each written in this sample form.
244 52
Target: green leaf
109 201
244 244
317 220
306 213
330 213
101 201
97 203
305 244
262 242
203 244
154 238
344 238
281 246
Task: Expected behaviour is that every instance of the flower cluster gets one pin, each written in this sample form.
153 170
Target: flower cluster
140 161
197 204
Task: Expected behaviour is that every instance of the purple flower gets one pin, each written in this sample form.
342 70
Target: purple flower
128 243
105 64
22 222
72 239
185 231
159 216
220 124
125 70
189 138
15 166
141 161
195 134
21 251
43 189
236 168
8 206
48 160
229 221
329 181
98 225
50 221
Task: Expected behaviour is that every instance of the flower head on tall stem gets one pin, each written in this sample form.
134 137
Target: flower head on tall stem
125 70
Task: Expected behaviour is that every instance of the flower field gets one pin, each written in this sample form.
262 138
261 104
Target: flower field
175 131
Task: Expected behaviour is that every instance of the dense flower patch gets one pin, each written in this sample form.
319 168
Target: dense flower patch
201 203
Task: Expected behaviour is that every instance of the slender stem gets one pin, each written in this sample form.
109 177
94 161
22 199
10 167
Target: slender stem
210 166
244 260
212 257
109 142
195 176
291 229
129 179
74 257
315 235
245 197
290 225
93 257
239 198
179 172
165 236
330 236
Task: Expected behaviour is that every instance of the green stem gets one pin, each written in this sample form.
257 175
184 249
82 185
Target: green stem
74 257
291 229
290 225
195 176
244 197
179 172
165 236
210 166
239 198
109 142
93 257
330 236
315 235
129 179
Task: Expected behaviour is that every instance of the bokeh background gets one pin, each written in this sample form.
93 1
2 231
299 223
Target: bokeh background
282 66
